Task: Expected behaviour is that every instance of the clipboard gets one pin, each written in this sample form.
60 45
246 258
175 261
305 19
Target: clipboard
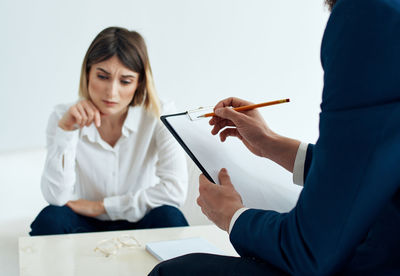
261 183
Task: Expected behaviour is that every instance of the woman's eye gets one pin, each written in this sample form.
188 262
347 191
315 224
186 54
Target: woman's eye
125 82
102 77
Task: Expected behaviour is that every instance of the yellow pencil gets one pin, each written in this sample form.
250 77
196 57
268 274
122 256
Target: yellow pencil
248 107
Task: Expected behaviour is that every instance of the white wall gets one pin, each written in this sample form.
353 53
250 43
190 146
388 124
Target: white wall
201 52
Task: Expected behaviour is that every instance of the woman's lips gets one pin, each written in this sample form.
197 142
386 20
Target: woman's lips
109 103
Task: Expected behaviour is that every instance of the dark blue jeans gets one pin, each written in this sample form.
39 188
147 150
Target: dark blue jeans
62 220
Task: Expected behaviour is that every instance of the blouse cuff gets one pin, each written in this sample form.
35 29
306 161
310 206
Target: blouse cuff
298 169
112 206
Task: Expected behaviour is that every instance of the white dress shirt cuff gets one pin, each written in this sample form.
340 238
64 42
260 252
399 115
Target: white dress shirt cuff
112 206
235 217
65 138
298 169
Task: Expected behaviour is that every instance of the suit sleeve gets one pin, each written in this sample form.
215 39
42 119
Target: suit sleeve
307 163
353 170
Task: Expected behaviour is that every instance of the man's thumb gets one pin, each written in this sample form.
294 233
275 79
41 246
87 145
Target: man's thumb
224 178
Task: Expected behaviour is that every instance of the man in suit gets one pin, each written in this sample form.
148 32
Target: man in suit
347 218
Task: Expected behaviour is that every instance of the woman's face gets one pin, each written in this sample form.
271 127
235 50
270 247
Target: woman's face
112 86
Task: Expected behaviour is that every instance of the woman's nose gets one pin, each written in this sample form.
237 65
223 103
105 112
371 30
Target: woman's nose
112 90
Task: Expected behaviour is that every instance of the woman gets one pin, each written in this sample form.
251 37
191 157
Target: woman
111 165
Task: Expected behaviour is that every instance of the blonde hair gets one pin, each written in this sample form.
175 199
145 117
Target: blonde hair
131 50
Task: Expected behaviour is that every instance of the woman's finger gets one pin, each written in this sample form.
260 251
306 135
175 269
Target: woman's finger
97 116
82 113
76 115
89 111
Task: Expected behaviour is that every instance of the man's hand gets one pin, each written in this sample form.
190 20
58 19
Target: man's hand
219 202
248 126
87 207
251 129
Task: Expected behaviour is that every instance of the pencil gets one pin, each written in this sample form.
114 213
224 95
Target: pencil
249 107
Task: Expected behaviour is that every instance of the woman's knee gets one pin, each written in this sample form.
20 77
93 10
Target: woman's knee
167 216
51 220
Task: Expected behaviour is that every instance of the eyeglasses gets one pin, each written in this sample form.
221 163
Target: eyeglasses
111 247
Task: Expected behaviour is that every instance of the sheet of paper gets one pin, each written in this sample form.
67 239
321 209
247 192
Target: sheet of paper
165 250
261 183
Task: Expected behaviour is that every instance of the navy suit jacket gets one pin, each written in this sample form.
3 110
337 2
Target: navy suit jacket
347 218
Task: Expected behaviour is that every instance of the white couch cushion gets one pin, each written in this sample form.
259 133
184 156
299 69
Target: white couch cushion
20 201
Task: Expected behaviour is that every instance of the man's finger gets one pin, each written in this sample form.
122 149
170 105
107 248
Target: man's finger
203 181
232 101
204 185
230 114
202 205
224 178
200 201
222 123
229 132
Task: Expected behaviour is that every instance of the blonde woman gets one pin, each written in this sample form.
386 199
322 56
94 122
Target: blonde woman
111 165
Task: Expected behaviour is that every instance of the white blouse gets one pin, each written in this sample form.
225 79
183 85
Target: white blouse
145 169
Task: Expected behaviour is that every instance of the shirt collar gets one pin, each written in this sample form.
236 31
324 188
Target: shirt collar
131 124
90 132
133 119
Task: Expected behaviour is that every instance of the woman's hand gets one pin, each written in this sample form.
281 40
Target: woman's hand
248 126
87 207
79 115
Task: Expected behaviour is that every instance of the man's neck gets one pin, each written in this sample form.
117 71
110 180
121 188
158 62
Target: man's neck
330 3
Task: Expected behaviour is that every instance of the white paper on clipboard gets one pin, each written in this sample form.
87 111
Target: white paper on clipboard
261 183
